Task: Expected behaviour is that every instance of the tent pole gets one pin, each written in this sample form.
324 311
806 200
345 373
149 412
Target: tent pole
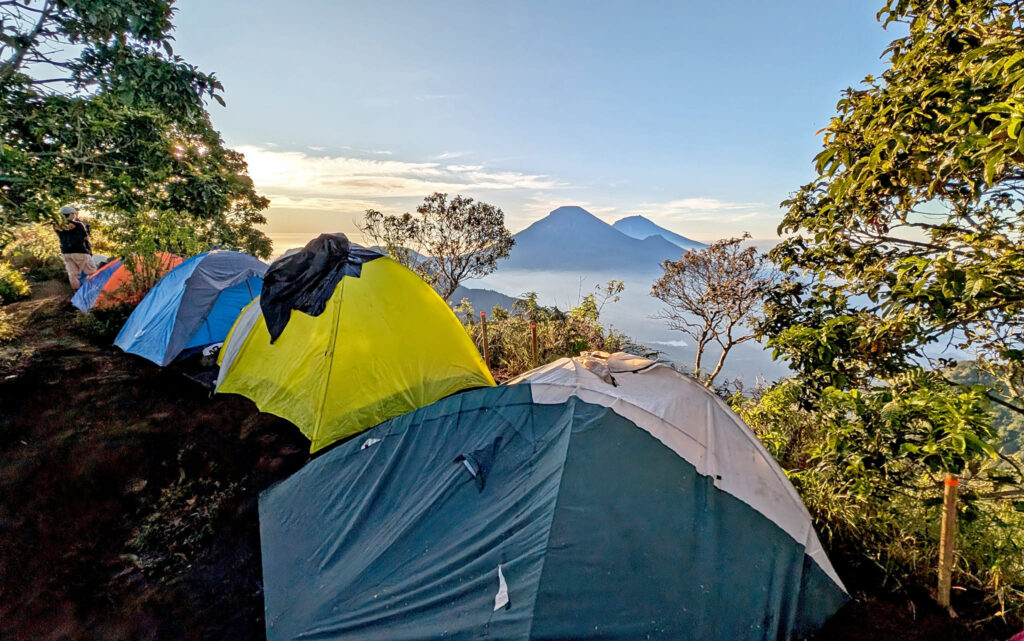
533 330
483 325
947 538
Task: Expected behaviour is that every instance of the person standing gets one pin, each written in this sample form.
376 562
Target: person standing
75 246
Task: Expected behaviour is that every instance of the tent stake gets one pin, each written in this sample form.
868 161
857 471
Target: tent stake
483 324
533 329
947 538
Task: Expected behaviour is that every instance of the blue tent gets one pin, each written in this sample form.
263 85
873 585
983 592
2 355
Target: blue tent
92 286
594 498
194 305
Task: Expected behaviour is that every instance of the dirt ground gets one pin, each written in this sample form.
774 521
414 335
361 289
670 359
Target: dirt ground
128 502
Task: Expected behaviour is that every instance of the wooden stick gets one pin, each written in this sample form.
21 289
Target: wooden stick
483 324
947 538
533 329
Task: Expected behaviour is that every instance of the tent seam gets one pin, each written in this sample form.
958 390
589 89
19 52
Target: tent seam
330 360
547 536
730 415
199 258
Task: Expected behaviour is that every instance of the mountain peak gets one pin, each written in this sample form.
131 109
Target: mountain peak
640 227
634 218
572 211
570 238
570 217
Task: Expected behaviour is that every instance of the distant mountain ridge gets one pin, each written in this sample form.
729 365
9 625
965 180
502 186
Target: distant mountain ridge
482 300
572 239
640 227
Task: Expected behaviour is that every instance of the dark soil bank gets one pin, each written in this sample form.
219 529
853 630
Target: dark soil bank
128 502
127 496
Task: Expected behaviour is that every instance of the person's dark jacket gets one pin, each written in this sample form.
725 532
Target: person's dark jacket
74 238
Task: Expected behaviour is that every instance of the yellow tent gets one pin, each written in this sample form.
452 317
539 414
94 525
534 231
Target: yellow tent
383 344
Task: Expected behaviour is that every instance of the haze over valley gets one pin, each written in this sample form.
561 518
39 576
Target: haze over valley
568 253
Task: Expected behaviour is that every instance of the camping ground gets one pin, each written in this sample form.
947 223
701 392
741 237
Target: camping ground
128 501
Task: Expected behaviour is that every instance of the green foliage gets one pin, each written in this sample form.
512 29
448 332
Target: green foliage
138 243
13 286
917 204
447 242
1008 424
35 251
131 138
559 334
121 47
73 77
882 439
910 239
909 236
102 324
888 437
865 463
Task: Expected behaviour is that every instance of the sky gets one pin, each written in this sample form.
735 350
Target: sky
700 116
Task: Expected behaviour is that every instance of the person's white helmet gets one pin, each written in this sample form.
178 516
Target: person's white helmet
69 211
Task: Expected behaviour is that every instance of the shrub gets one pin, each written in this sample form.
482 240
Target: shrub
180 525
102 324
559 334
8 328
889 516
99 238
35 251
13 285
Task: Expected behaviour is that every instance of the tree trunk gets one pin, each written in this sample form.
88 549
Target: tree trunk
721 362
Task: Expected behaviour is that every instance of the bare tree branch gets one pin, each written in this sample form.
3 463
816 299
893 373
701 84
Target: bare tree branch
10 67
710 293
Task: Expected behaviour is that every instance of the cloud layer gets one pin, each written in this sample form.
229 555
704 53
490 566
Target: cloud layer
316 181
691 210
315 190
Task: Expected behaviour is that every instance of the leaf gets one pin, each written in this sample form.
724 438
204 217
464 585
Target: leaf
909 448
959 443
992 164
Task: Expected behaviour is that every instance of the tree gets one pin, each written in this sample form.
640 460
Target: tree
120 47
912 231
449 241
917 206
911 234
908 241
95 109
714 295
393 234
